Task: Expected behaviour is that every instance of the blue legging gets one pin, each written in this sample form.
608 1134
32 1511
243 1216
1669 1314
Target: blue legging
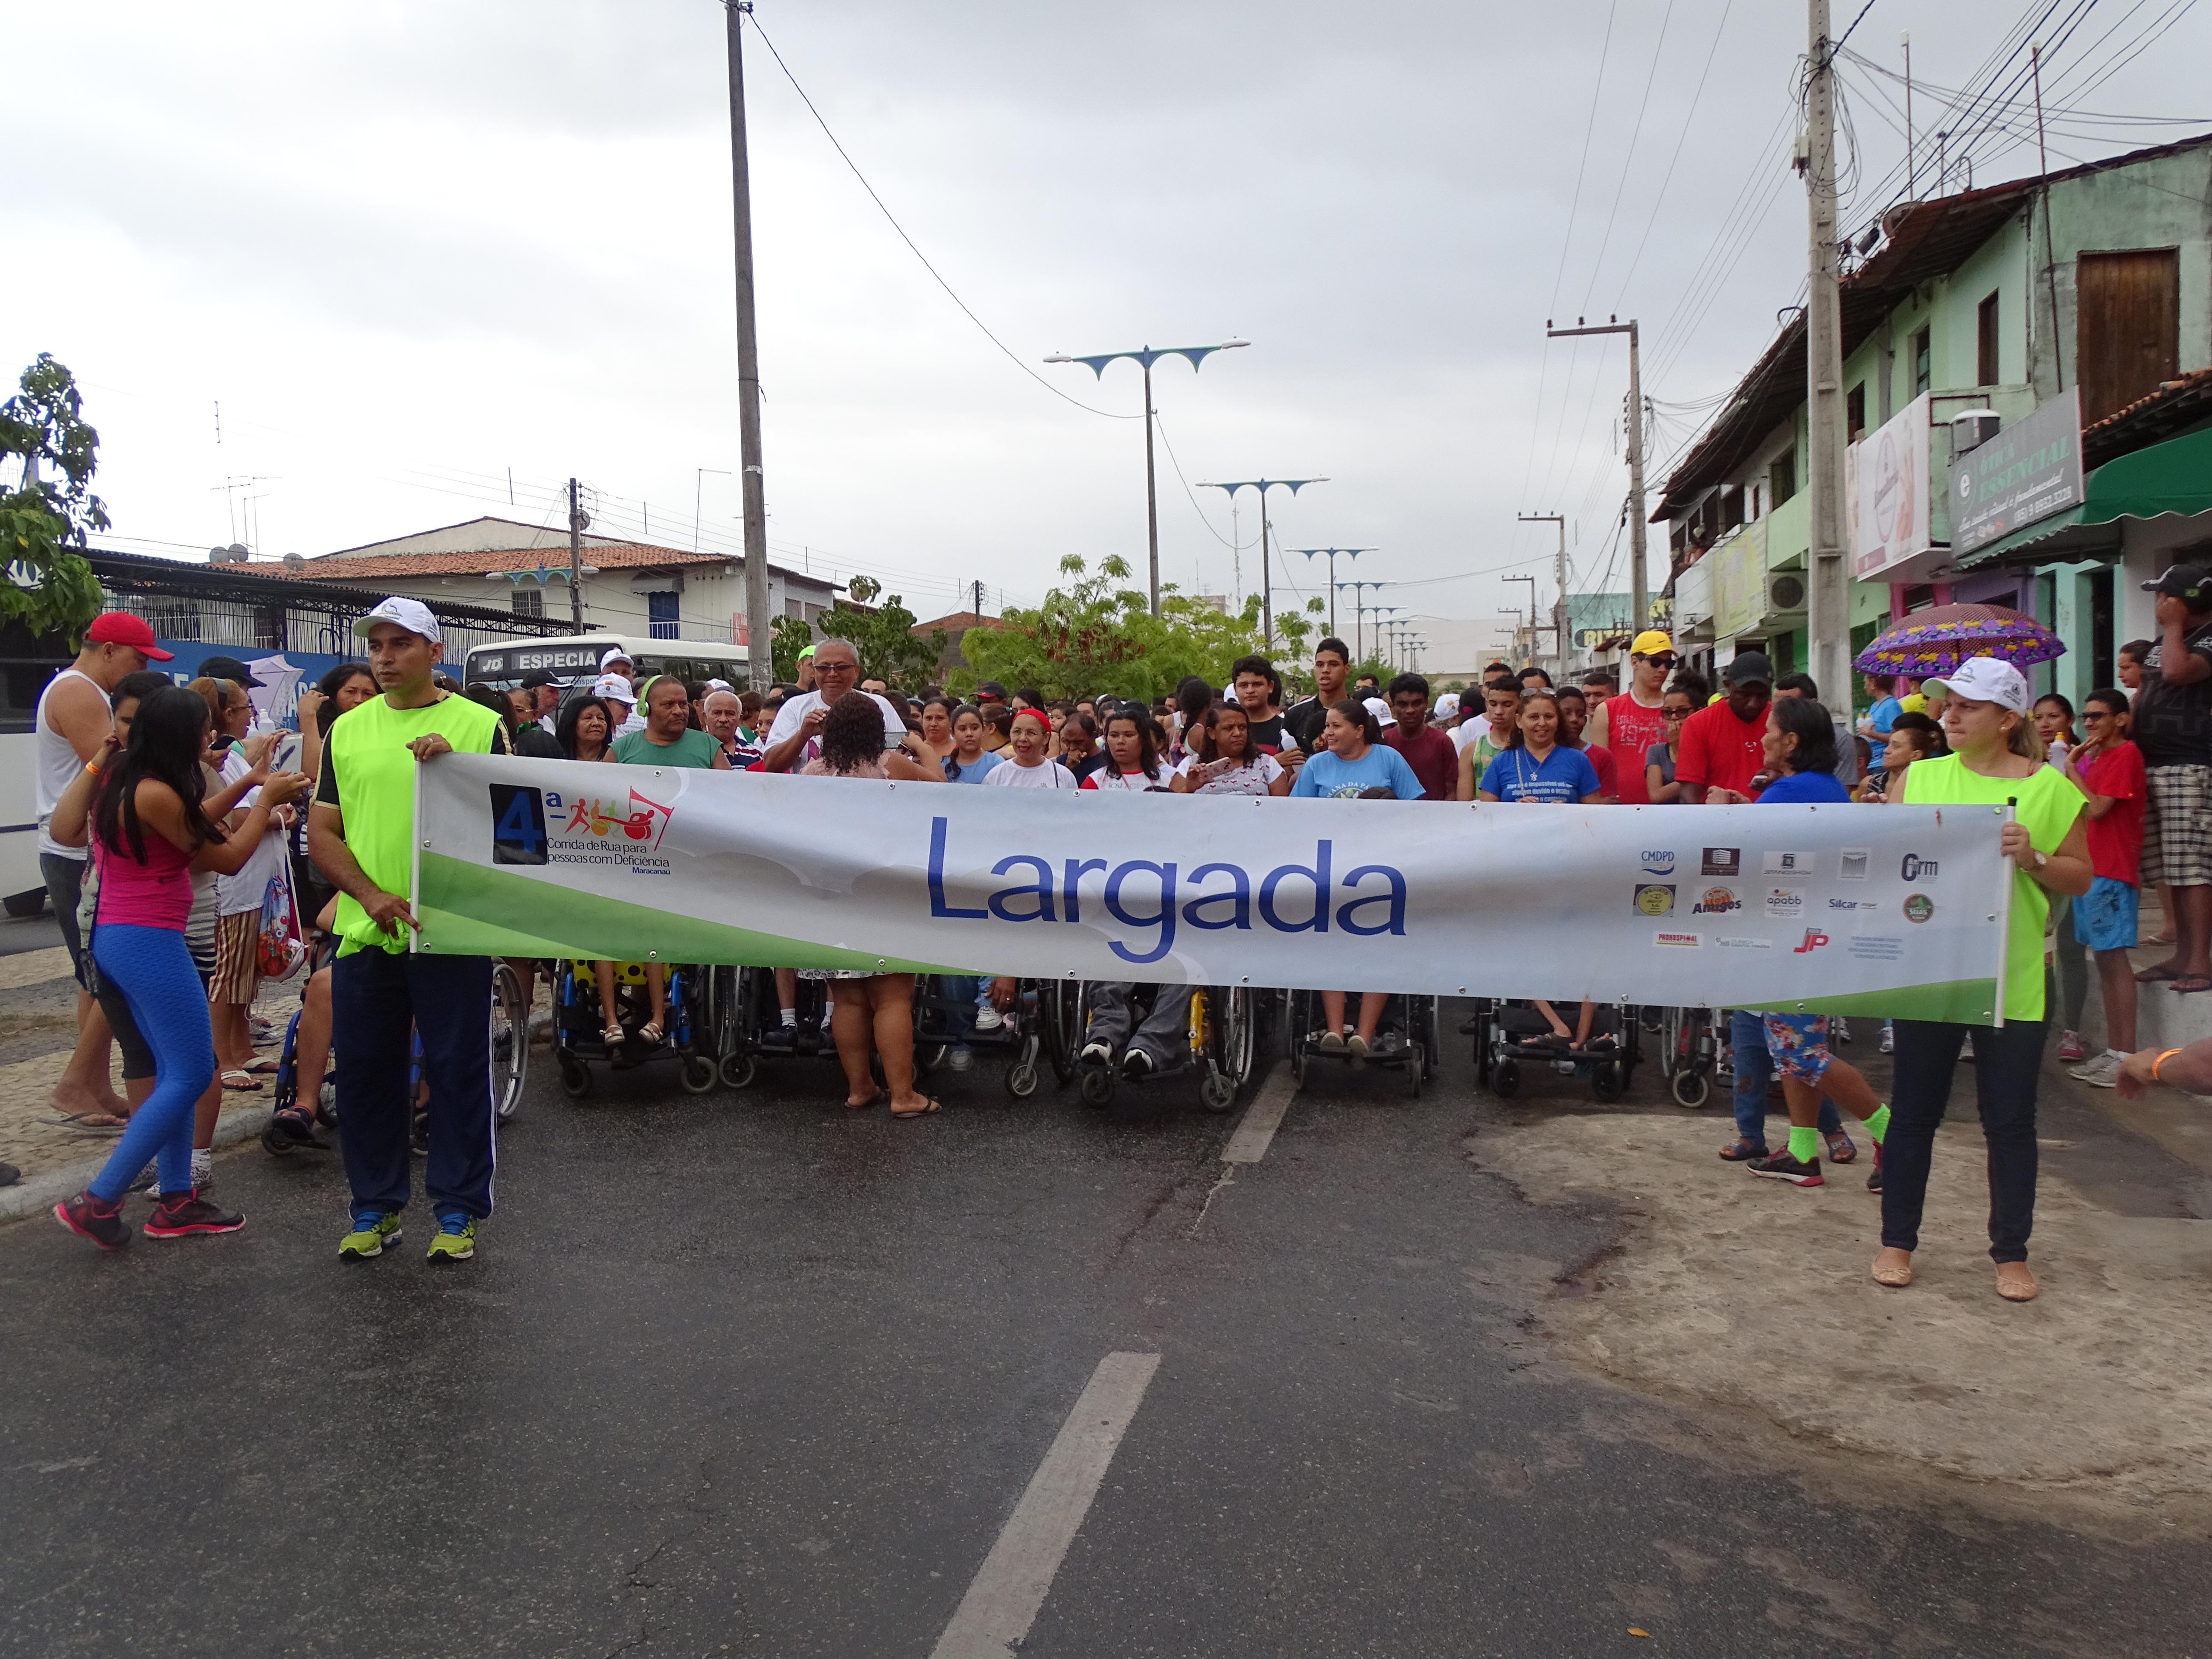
154 971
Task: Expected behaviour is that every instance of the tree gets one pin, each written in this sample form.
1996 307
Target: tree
788 636
47 587
1095 636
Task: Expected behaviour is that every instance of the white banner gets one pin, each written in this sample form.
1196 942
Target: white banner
1890 910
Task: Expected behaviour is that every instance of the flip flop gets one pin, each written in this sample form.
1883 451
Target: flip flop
924 1112
99 1123
2152 975
237 1083
2188 984
264 1066
873 1100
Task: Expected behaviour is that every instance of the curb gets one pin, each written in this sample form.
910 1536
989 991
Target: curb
35 1194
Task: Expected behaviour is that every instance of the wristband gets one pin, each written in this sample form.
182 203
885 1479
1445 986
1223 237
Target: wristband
2159 1061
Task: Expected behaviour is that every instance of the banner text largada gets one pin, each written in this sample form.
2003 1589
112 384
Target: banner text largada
1891 910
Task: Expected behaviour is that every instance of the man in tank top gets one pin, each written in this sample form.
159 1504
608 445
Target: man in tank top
1630 722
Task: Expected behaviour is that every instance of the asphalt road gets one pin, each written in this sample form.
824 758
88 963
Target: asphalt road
748 1374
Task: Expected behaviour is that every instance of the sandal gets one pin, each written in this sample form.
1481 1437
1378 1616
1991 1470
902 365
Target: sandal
2019 1287
614 1037
1742 1153
262 1067
922 1111
649 1034
875 1099
2188 984
240 1083
97 1122
1841 1148
1896 1275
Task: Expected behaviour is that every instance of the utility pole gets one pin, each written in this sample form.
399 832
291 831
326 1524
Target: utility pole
1638 582
1827 609
1560 610
760 664
576 523
1912 182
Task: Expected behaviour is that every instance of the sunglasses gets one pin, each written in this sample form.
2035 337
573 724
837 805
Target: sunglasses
1668 661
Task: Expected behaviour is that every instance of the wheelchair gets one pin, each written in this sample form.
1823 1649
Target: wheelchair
1404 1039
1034 1031
1512 1038
1222 1035
1690 1041
579 1036
747 1025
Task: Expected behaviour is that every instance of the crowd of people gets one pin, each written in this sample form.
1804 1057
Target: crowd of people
190 822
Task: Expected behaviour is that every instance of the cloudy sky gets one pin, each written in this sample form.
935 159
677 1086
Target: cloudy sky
408 246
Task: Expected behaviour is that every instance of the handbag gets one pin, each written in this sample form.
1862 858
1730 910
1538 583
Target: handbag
281 945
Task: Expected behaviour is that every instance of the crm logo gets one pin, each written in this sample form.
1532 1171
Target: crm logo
1919 907
1659 864
1721 861
1656 898
1915 868
1814 939
1716 901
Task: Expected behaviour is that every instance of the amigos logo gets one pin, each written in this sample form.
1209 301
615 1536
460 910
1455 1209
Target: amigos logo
1157 897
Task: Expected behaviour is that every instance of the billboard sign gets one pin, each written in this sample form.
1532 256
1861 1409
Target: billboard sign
2028 472
1885 493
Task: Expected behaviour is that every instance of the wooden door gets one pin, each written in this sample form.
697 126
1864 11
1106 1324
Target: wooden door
2127 327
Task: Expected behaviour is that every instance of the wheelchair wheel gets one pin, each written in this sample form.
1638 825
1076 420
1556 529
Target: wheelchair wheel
1057 1002
738 1068
1689 1089
1097 1086
510 1039
1608 1079
1505 1080
699 1073
1022 1078
575 1077
1297 1018
1217 1092
1238 1025
1415 1062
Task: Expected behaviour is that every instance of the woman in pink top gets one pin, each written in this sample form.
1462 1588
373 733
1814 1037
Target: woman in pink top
151 830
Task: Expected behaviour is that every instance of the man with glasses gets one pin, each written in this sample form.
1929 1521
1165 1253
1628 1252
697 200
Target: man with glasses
1629 722
836 668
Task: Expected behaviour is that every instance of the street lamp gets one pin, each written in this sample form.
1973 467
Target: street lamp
1357 651
1372 611
1349 553
1145 356
1266 581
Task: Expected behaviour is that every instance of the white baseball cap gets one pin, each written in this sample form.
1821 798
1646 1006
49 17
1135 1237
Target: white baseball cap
614 653
1446 705
1984 680
720 685
614 685
412 615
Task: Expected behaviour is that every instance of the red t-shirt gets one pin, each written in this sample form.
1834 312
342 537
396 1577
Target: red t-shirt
1631 729
1719 751
1433 756
2116 839
1601 763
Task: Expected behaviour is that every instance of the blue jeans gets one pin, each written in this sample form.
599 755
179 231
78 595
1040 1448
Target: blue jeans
1754 1066
375 997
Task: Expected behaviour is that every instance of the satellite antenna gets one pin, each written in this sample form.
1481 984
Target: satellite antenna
217 555
294 563
236 553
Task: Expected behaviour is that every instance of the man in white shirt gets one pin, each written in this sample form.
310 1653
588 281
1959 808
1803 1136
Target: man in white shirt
837 668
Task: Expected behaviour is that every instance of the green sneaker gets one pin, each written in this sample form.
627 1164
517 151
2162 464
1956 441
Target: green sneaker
456 1240
374 1232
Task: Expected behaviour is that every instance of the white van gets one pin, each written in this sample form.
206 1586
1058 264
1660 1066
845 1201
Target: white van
575 661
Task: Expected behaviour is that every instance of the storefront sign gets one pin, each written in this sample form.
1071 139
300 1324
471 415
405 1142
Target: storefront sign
2028 472
1885 493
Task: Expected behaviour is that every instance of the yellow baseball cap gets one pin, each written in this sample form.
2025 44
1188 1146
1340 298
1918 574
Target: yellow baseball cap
1650 643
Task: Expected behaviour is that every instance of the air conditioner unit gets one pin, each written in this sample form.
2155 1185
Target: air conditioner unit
1785 592
1971 428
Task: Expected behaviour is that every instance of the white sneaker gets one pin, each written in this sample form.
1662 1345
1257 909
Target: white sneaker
1888 1039
2102 1072
988 1019
1840 1029
1098 1053
960 1058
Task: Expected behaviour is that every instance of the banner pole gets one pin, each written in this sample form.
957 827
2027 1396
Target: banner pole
415 867
2004 913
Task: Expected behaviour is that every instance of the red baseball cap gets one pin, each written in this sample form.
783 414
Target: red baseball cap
122 627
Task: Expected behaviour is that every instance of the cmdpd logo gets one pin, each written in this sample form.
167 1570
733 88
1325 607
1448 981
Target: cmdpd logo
1721 861
1659 864
518 825
1913 867
1715 901
1814 939
1656 898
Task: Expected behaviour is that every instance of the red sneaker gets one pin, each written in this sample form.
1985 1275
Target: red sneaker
2069 1045
186 1213
94 1219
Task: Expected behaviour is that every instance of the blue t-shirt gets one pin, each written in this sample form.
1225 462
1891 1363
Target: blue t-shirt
984 765
1565 774
1819 787
1884 715
1329 774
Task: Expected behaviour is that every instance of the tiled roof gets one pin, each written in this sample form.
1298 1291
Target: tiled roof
955 622
2176 405
374 569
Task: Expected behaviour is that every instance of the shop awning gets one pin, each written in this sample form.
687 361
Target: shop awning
2169 480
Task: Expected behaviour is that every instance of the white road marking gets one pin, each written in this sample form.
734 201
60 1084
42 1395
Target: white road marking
1263 1118
1010 1587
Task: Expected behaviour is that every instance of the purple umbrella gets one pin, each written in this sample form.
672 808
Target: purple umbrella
1937 641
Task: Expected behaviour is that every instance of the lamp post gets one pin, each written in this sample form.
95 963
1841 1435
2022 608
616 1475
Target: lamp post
1357 609
1267 578
1145 357
1377 610
1349 553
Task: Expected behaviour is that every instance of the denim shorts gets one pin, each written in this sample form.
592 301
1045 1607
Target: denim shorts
2105 916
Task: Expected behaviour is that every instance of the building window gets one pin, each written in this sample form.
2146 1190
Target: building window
1854 414
527 601
1924 363
2127 333
1986 344
660 616
815 612
1782 474
794 610
1731 510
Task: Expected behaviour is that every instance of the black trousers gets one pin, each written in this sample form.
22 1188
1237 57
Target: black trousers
379 1000
2007 1065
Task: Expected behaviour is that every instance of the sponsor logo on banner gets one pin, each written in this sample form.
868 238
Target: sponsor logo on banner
1852 904
1658 864
1721 861
1690 941
1787 864
1785 903
1919 907
1656 898
1730 943
1814 939
1715 901
1878 947
518 825
1913 867
1851 863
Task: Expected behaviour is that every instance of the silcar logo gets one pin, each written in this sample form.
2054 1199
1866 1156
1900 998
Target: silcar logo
1915 868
